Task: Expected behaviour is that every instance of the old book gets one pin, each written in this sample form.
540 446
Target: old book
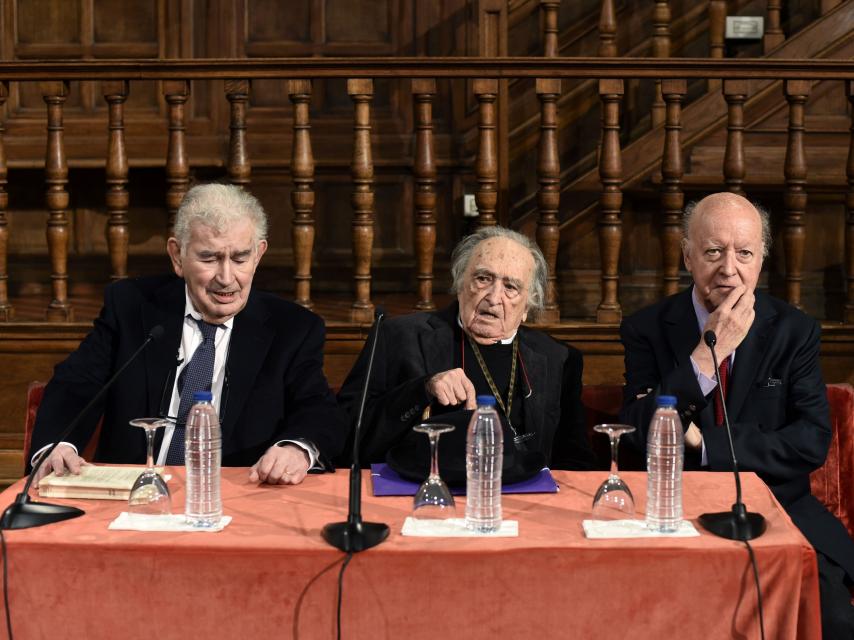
94 482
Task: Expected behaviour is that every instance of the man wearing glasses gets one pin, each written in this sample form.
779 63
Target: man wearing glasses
444 359
260 356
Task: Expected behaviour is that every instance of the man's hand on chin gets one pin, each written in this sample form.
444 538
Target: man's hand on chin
281 465
730 321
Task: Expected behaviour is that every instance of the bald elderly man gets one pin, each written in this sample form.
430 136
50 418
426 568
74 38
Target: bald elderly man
775 396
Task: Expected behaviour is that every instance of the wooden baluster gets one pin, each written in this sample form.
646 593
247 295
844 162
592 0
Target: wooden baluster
717 28
849 206
486 166
548 196
361 91
302 195
774 35
660 49
177 167
239 168
608 30
735 94
611 200
56 177
549 9
795 199
117 199
6 310
424 171
672 196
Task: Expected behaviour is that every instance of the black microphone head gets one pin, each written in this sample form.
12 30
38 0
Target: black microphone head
710 338
379 313
156 332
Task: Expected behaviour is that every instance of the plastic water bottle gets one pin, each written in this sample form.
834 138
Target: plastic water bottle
203 457
484 455
665 452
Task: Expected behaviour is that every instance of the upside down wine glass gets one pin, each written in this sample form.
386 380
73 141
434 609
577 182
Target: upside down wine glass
613 499
150 494
433 500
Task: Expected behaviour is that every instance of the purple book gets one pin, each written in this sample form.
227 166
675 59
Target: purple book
385 481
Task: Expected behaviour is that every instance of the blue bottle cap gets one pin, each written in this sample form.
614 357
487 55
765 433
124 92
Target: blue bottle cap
666 401
202 396
487 400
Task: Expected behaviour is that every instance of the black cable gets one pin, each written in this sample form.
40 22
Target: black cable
340 589
758 590
6 586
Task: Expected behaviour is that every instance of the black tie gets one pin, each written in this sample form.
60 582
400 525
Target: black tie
196 376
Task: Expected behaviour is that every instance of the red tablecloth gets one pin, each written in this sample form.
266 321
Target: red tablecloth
269 574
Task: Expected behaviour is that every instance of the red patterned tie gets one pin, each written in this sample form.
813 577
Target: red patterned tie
723 379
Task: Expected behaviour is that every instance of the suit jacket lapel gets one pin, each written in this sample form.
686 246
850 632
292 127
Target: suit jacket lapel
681 328
748 357
533 408
247 351
160 357
437 345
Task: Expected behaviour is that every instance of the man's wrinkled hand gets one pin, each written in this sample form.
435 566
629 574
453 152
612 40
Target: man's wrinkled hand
730 321
281 465
452 387
62 460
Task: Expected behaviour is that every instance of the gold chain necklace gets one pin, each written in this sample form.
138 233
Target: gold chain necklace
518 440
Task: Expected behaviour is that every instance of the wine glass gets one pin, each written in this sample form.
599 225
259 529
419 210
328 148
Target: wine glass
613 499
149 494
433 500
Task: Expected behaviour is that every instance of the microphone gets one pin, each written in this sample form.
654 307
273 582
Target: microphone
354 535
737 524
25 513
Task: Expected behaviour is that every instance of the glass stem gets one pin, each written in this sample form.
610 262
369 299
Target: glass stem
615 440
149 456
434 455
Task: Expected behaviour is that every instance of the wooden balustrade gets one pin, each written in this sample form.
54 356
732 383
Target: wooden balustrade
486 165
608 30
672 196
56 178
424 176
774 36
717 28
361 91
117 198
6 309
610 201
239 167
177 167
548 195
424 162
795 199
302 195
735 94
550 29
660 49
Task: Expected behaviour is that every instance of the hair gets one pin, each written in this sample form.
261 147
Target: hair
764 218
218 206
463 251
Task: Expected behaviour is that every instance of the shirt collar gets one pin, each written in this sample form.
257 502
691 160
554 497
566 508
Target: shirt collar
504 341
190 310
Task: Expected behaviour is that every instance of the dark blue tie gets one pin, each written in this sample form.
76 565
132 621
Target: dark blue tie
196 376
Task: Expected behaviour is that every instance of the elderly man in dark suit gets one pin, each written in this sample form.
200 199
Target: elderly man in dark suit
770 373
277 412
477 346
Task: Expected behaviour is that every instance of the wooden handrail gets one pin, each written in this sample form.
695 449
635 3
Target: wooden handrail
439 67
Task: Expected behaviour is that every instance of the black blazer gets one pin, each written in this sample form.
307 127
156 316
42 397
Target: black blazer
415 347
776 401
276 388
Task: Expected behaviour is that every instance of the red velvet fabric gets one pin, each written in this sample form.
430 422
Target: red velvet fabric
833 482
269 574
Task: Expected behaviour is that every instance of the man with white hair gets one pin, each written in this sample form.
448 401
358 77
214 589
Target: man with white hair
477 346
769 370
259 355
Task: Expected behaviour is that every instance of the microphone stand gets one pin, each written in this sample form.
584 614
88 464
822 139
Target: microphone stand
25 513
354 535
739 523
